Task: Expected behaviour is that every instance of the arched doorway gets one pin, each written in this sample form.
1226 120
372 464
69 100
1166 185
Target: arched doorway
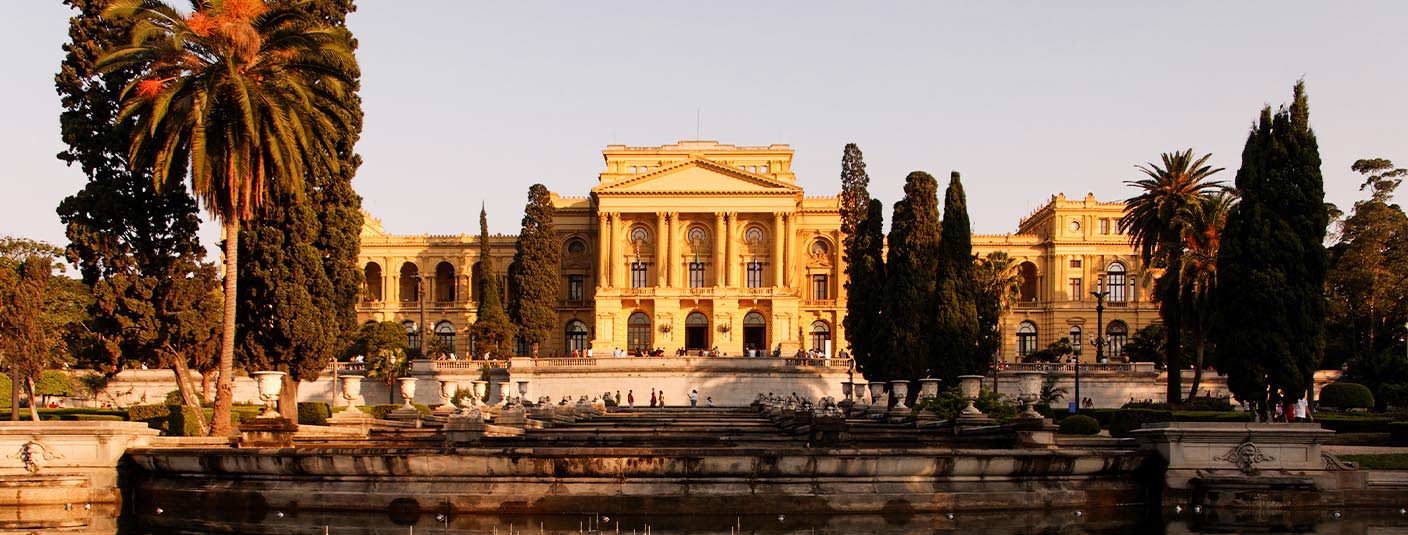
821 337
444 282
1027 293
696 331
576 336
372 276
638 332
755 332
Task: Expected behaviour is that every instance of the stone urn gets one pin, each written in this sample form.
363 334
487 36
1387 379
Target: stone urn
270 383
928 388
970 386
481 392
900 389
846 387
352 389
447 391
1029 391
505 392
523 389
408 390
877 392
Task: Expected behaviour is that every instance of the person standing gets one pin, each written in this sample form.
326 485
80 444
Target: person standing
662 399
693 398
652 398
631 398
1303 411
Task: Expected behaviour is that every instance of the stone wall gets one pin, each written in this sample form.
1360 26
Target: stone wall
58 463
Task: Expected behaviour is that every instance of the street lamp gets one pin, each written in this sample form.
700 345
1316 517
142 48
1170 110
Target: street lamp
1099 341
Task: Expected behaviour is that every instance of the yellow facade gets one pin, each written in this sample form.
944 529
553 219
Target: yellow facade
700 245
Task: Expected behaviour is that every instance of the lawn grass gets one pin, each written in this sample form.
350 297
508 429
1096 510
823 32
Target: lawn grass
1379 461
1359 439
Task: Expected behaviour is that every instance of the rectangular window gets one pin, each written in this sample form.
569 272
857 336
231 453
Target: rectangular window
820 289
574 287
1115 284
1076 292
755 274
696 274
1104 226
638 275
1075 263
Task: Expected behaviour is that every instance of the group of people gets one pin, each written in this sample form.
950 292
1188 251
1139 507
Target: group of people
657 398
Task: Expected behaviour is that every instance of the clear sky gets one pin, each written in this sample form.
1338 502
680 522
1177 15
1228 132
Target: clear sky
470 102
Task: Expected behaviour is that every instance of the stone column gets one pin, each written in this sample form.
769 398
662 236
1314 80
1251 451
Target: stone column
663 239
726 241
787 246
618 270
777 249
674 256
719 265
603 242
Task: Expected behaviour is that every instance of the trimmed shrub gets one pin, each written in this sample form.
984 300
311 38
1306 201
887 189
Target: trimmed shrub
1126 420
1155 405
147 413
1398 433
1342 423
1079 424
379 412
1343 396
1206 404
97 418
185 421
314 413
1211 416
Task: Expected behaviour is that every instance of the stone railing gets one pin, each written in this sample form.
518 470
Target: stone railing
1114 367
683 362
564 362
826 363
701 291
818 303
458 365
1029 304
638 292
346 367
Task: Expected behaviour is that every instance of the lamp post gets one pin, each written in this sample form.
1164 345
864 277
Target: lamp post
1099 294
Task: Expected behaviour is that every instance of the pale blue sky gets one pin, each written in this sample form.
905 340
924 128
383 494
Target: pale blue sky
474 101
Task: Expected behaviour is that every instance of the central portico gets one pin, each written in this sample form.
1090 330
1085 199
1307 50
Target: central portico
706 245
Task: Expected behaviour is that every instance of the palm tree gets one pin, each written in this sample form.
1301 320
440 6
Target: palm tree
999 286
1202 224
1151 220
242 97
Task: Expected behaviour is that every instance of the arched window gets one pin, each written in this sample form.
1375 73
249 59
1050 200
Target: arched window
576 336
445 331
754 236
410 282
696 331
372 275
755 332
1117 333
444 282
412 335
1116 283
576 247
1028 292
639 235
821 334
1074 335
1026 339
638 332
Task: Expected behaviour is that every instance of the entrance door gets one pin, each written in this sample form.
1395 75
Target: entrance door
755 332
696 332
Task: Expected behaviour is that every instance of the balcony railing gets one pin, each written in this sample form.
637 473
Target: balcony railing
818 303
638 292
1029 304
702 292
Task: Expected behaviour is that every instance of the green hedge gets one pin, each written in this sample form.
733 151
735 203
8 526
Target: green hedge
98 418
1343 395
185 421
380 412
1211 416
1341 423
1398 433
72 413
314 413
1126 420
1206 404
1079 424
155 415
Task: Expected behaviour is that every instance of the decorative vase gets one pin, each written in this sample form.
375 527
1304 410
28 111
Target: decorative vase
899 388
523 389
447 391
877 392
928 388
1029 391
481 391
846 387
504 392
970 386
351 388
270 383
408 390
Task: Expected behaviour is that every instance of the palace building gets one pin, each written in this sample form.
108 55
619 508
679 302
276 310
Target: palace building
701 245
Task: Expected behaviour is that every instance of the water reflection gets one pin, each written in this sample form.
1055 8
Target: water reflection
1125 520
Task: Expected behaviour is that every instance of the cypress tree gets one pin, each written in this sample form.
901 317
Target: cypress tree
1268 327
855 197
865 291
135 245
298 309
538 260
911 291
956 332
493 333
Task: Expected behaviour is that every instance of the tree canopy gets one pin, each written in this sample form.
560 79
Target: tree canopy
537 260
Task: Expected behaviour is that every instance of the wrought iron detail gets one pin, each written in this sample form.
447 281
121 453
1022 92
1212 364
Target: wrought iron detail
32 452
1246 456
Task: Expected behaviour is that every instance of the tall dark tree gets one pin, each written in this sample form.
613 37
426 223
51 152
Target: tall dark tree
493 333
36 308
865 288
855 195
1268 327
297 308
1156 230
955 342
538 261
911 292
135 245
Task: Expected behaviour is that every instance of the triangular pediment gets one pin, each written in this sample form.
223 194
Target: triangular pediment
699 176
